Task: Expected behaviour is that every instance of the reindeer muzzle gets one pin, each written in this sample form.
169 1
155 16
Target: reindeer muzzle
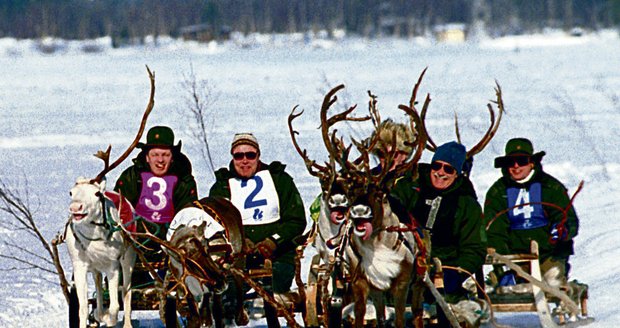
362 219
338 205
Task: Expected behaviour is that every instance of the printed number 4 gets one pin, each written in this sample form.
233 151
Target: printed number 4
526 210
250 201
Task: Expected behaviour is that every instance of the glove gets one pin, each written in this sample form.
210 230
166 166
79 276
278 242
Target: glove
266 247
558 233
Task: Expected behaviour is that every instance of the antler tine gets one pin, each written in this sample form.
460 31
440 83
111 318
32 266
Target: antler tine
372 109
105 156
313 168
133 145
412 102
456 128
494 124
418 127
414 92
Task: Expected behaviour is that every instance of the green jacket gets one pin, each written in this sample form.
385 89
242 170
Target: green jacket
506 240
129 183
457 236
292 222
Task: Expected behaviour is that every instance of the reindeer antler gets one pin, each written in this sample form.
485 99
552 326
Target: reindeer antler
105 156
494 124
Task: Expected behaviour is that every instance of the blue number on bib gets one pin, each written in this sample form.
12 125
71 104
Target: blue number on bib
250 201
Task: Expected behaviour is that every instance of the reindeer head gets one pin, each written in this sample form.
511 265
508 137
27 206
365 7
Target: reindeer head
191 261
86 200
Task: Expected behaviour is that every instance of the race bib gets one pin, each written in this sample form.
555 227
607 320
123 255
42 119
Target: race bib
155 202
256 198
526 211
193 217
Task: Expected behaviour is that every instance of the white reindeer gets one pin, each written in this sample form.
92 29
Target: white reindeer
95 240
96 245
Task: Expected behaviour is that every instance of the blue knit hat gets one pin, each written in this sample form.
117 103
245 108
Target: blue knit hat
452 153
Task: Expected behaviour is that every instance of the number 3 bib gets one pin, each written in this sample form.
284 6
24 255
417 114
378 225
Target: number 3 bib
256 198
155 203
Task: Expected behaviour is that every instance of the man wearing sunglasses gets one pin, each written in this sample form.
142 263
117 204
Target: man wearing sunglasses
270 204
443 202
527 204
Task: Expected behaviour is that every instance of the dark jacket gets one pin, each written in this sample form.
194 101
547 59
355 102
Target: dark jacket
129 183
292 222
507 240
457 236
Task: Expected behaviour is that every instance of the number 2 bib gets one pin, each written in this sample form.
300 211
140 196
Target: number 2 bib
525 206
256 198
155 203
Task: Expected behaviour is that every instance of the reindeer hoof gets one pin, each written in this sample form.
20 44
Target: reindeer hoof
242 318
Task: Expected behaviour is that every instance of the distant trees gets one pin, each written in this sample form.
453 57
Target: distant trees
134 19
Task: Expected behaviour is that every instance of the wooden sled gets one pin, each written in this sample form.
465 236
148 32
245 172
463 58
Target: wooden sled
536 296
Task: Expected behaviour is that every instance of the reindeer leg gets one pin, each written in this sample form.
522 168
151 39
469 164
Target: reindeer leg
81 287
400 292
111 317
99 311
205 310
127 263
217 309
379 302
360 290
417 300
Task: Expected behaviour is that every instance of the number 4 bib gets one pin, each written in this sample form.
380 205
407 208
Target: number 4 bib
256 198
525 206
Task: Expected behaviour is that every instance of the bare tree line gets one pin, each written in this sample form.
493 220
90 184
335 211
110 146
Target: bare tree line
134 19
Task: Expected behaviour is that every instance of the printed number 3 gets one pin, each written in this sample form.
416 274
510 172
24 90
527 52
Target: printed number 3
250 201
158 193
526 210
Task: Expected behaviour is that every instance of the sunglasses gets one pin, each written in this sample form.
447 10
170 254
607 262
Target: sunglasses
519 160
249 155
436 166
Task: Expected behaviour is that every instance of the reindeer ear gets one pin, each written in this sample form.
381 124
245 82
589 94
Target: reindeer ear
102 184
201 228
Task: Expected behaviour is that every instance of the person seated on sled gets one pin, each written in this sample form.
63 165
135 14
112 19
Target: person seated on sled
271 207
527 204
389 129
158 185
443 202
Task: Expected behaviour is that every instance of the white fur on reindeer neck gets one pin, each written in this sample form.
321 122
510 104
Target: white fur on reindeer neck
193 217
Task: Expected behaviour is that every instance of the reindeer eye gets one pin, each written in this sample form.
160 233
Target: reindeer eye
70 194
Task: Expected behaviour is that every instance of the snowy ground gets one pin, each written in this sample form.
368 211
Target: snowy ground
57 110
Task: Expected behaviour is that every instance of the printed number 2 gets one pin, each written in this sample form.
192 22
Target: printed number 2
250 201
526 210
158 193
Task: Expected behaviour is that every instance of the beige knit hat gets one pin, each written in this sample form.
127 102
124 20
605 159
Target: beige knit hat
387 130
244 139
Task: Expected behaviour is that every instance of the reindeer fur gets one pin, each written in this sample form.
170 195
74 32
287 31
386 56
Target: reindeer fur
94 247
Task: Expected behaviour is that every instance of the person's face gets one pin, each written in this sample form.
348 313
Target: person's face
159 160
399 158
245 160
519 167
439 177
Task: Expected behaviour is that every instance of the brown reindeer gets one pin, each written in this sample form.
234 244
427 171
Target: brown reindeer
329 231
378 261
385 248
